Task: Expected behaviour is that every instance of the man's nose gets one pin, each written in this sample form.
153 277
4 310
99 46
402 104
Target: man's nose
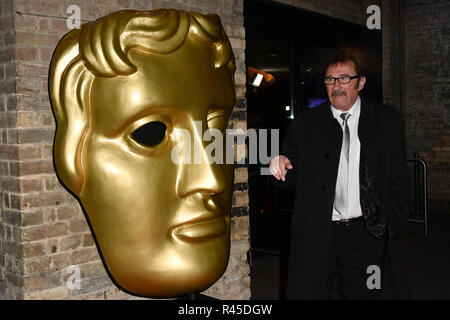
336 84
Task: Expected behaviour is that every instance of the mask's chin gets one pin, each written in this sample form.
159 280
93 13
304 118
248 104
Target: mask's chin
173 269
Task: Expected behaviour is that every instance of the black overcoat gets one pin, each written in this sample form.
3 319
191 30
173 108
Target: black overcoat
313 144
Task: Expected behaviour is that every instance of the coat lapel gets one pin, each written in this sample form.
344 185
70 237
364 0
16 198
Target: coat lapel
334 135
369 136
367 129
328 158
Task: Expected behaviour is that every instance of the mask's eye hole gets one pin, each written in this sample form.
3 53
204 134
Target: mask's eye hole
150 134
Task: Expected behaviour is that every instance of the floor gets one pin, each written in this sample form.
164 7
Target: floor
427 262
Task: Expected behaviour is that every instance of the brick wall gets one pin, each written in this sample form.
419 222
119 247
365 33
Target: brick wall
427 70
390 28
427 97
438 162
43 230
11 249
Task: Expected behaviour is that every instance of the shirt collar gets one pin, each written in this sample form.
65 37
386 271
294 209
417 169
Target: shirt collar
354 111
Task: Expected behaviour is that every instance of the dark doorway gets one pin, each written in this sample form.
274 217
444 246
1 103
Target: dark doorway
291 47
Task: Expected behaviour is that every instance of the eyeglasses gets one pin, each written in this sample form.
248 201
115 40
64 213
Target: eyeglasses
342 80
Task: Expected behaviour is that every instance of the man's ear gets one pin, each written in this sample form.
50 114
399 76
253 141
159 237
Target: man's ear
361 83
69 85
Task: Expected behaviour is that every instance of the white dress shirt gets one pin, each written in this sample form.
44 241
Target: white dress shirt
354 206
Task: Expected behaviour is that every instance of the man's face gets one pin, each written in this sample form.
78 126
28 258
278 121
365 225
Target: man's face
163 228
343 96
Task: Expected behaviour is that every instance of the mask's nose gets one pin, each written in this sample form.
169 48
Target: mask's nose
200 175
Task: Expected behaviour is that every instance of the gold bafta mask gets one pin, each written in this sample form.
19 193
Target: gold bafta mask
123 88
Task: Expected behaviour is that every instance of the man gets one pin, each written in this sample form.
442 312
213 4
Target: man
347 160
124 89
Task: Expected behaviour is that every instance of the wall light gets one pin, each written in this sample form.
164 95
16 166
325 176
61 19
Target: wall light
257 79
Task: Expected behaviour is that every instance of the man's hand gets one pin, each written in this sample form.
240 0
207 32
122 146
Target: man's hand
279 166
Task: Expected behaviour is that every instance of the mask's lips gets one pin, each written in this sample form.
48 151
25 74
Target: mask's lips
200 230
